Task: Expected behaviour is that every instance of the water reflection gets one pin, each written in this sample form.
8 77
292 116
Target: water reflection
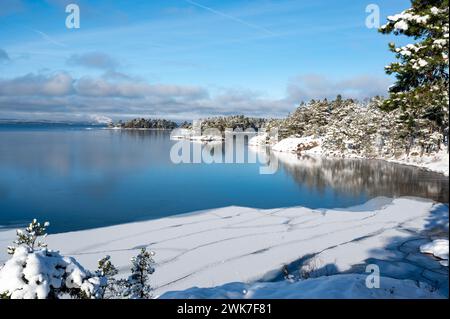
66 153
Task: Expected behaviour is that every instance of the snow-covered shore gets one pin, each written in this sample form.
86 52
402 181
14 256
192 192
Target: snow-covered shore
326 287
236 244
437 162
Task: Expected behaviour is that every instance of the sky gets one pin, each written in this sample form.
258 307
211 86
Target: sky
185 59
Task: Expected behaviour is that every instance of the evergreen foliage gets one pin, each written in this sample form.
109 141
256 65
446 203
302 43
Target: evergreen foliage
137 284
422 71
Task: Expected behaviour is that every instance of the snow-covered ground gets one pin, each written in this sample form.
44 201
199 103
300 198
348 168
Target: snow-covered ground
262 139
258 140
438 248
237 244
438 162
346 286
292 145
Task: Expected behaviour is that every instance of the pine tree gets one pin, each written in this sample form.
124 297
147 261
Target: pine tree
422 78
29 236
137 285
107 270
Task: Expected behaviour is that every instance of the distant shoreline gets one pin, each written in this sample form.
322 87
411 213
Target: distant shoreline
137 129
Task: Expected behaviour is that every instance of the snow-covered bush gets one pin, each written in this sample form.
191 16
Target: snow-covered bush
35 272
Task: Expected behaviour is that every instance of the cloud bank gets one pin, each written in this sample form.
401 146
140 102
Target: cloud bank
60 96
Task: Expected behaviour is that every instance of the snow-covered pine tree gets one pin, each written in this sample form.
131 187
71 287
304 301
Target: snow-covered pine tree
137 285
422 78
29 236
319 116
107 270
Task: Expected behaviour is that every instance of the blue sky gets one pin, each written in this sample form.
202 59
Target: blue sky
184 59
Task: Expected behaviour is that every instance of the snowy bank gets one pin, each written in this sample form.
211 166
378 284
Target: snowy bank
438 162
305 145
237 244
193 135
262 139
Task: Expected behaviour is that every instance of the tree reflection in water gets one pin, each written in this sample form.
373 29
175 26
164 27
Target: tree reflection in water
374 177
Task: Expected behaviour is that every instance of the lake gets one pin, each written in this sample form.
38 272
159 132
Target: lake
81 177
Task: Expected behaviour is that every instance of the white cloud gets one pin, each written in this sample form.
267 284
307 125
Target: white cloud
55 84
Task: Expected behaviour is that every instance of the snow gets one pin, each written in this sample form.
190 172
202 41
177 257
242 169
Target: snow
405 52
402 18
206 138
189 134
421 19
289 145
438 162
262 139
395 17
412 46
32 274
258 140
440 42
401 25
422 62
292 144
348 286
435 10
438 248
237 244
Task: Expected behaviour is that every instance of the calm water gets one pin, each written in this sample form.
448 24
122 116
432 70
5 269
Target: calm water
80 178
